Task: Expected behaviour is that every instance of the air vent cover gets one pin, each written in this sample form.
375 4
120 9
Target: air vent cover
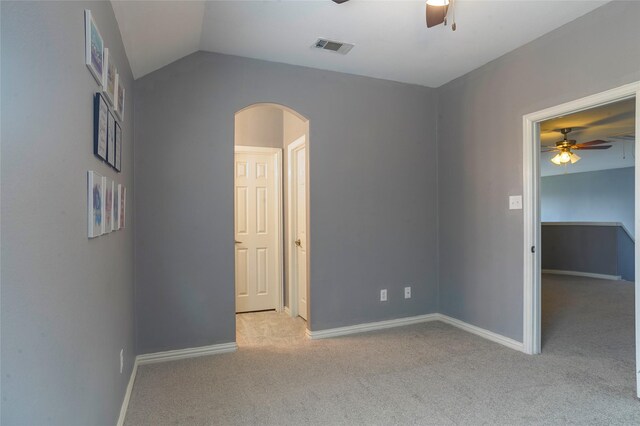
333 46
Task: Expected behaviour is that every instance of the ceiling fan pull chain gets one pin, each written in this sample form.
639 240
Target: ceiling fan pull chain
453 15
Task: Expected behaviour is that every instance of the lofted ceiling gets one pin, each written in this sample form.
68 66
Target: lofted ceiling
391 39
614 122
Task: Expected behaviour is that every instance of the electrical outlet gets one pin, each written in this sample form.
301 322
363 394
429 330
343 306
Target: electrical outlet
407 292
515 202
121 359
383 295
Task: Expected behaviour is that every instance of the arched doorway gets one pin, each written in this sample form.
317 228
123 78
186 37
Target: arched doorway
271 224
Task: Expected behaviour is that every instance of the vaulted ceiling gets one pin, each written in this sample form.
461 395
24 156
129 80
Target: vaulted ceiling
391 39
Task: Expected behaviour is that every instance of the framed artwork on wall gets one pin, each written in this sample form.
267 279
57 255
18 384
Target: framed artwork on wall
111 139
123 207
94 48
109 85
120 101
95 204
108 204
100 129
116 207
118 151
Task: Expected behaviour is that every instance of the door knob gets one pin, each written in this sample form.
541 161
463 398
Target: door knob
298 243
238 242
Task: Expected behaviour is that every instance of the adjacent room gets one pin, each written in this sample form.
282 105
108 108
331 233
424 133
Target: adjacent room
587 193
316 212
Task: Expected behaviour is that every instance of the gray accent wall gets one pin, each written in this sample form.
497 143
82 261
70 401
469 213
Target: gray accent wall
372 148
480 154
67 301
602 196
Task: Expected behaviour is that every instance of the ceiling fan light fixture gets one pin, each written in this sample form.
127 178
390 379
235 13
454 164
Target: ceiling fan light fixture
574 158
556 160
438 2
565 157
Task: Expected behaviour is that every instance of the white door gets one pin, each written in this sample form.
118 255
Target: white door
299 215
256 229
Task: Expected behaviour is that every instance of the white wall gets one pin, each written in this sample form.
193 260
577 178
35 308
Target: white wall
259 126
602 196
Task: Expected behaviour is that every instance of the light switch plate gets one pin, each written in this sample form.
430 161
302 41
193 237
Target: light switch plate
515 202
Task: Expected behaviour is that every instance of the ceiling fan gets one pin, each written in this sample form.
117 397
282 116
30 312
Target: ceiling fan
565 147
436 13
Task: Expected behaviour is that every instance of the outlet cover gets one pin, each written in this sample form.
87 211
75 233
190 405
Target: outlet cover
407 292
121 359
383 295
515 202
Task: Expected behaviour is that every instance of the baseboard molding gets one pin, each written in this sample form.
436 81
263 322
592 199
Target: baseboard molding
127 394
489 335
370 326
582 274
186 353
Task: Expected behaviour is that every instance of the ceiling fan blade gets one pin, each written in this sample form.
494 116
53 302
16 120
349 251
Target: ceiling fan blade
436 15
340 1
591 143
591 147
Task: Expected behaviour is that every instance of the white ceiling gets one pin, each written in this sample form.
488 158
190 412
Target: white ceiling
391 39
613 122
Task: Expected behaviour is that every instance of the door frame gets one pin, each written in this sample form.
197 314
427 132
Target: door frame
277 156
531 209
292 276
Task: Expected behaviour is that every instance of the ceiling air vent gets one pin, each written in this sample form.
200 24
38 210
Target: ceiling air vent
333 46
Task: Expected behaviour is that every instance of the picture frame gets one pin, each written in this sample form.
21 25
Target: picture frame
110 81
116 206
123 207
120 102
94 48
95 204
118 144
100 126
108 205
111 140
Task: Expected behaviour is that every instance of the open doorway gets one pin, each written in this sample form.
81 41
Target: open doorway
271 246
581 215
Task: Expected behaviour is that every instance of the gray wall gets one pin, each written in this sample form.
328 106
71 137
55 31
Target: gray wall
372 185
596 249
67 301
602 196
259 126
480 154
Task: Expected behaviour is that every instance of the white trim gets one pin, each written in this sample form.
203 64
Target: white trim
399 322
614 224
291 257
582 274
277 152
287 311
489 335
127 394
370 326
186 353
531 209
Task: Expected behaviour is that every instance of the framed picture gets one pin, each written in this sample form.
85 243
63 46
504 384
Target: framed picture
120 101
123 207
118 133
108 204
116 206
94 47
109 85
111 140
95 204
100 129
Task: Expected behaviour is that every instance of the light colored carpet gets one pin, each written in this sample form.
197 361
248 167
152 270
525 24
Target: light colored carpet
423 374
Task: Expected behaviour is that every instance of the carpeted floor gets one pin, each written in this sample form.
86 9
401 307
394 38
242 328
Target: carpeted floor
426 374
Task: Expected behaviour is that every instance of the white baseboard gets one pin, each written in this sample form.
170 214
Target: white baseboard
381 325
127 394
370 326
582 274
489 335
186 353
